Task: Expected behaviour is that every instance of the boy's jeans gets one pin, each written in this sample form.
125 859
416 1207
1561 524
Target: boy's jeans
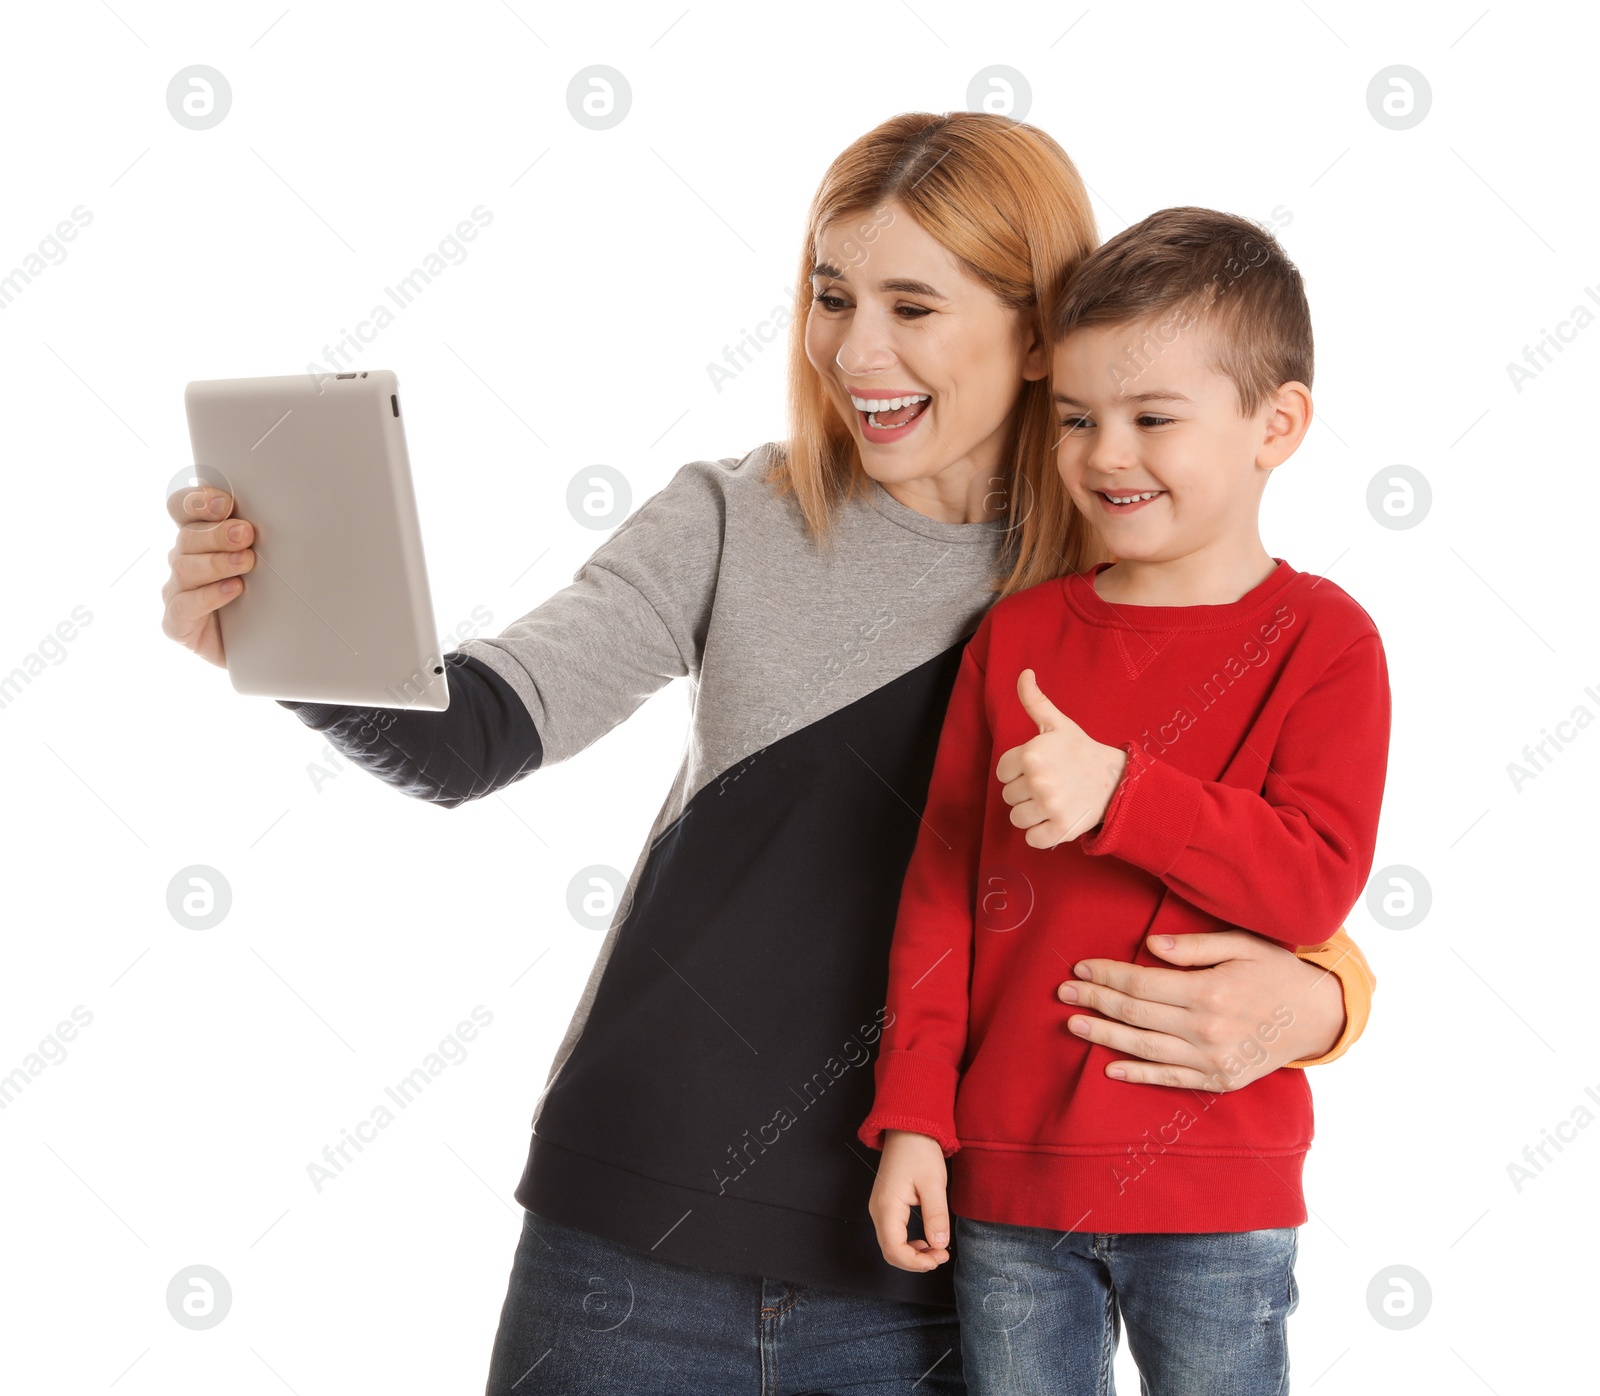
1205 1312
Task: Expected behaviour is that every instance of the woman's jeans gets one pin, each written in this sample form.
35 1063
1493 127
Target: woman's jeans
1205 1312
585 1315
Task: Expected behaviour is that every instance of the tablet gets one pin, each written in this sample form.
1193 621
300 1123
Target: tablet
337 607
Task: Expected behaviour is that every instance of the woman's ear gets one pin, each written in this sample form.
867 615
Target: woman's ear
1286 421
1036 357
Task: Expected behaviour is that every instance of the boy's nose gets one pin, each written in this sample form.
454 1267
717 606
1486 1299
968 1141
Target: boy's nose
1112 454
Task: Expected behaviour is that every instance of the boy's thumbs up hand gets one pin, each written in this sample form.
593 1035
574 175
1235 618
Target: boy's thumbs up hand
1049 717
1059 783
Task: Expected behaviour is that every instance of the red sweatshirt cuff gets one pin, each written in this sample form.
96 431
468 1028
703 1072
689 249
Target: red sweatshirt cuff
914 1092
1151 815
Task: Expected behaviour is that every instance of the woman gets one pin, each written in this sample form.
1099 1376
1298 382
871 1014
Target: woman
696 1202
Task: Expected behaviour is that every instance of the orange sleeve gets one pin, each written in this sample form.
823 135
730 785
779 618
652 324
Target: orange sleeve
1343 957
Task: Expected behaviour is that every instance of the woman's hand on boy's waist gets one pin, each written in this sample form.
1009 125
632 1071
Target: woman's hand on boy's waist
1242 1008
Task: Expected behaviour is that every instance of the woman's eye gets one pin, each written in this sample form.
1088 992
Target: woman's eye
917 311
828 301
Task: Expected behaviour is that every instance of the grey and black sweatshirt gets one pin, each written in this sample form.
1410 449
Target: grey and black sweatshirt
703 1104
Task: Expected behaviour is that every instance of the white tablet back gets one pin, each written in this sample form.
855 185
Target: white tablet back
337 607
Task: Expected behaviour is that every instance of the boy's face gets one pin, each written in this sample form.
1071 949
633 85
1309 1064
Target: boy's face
1140 417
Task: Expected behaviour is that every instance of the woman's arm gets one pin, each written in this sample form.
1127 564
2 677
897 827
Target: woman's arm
482 742
633 618
1242 1008
1340 960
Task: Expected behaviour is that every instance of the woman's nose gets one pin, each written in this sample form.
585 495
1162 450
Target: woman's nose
863 353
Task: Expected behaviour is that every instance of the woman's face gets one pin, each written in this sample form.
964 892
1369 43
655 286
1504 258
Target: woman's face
922 360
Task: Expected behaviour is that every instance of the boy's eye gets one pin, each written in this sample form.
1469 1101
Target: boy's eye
1149 420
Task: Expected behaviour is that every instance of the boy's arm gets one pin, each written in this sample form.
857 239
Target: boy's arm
925 1032
1290 862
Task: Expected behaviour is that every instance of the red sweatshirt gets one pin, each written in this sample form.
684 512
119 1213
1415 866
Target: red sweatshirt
1257 734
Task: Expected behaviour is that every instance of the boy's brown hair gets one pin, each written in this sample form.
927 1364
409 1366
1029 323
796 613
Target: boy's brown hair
1185 267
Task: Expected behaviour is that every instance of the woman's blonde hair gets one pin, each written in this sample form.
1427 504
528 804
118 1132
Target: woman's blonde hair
1006 201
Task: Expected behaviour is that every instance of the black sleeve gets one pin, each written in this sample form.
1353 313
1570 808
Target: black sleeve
481 743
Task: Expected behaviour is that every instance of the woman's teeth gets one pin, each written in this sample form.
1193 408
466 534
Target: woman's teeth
873 406
885 404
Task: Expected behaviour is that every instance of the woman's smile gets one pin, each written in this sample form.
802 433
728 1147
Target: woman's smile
889 416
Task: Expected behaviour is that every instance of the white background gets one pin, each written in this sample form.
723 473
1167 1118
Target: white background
364 927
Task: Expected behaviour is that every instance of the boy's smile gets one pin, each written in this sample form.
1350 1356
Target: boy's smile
1123 503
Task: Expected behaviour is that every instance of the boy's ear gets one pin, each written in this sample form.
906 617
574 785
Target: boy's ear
1285 423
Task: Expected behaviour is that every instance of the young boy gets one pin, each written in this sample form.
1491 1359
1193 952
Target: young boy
1193 737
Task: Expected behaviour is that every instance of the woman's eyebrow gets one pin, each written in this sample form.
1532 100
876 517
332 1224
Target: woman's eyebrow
915 288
